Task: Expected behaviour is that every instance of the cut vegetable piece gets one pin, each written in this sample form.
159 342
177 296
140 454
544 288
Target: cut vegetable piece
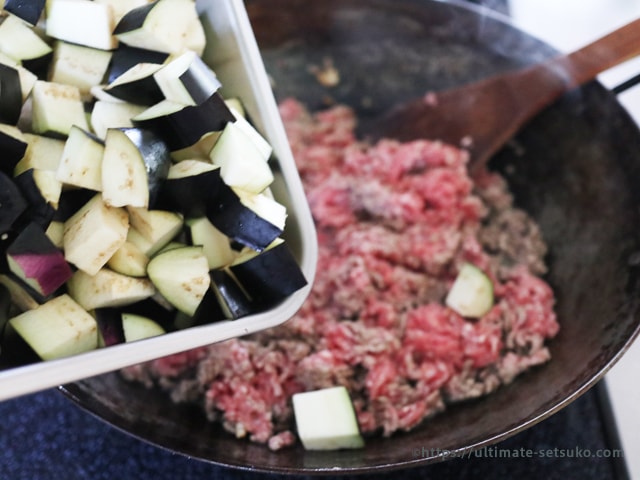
232 298
93 234
256 138
42 191
129 260
137 85
326 419
81 163
27 81
43 153
471 294
157 227
163 26
36 260
106 115
231 216
59 328
242 163
181 275
20 42
265 206
22 298
137 327
72 200
11 97
215 244
12 203
209 311
155 156
110 331
270 276
124 177
13 146
182 126
125 57
108 289
28 10
55 232
189 187
187 80
56 108
77 65
199 150
121 7
92 26
155 307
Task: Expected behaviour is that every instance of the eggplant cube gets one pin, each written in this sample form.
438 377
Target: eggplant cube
56 108
81 163
124 175
36 260
42 190
20 42
242 163
93 27
108 289
215 244
93 234
106 115
78 65
14 147
43 153
59 328
157 227
189 186
137 85
28 10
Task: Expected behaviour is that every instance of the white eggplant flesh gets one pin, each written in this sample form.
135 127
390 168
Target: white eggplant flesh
106 115
56 108
43 153
81 163
78 65
93 25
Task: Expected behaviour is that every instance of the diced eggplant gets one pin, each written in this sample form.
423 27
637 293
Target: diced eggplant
12 203
78 65
231 216
189 186
56 108
265 206
43 153
124 176
81 163
182 126
22 296
55 232
10 95
110 331
156 157
187 80
156 308
157 227
20 42
471 294
59 328
124 57
108 289
93 234
232 298
242 163
181 275
93 25
28 10
72 200
106 115
129 260
36 260
209 311
164 26
199 150
138 327
137 85
42 191
215 244
13 146
121 7
269 276
249 130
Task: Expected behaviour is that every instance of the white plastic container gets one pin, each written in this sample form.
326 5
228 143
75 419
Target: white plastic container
233 53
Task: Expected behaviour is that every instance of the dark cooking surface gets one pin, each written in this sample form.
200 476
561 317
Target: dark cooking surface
46 437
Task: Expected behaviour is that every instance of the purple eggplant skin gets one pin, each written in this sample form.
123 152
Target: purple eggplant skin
209 310
156 156
229 215
144 91
109 322
200 81
236 301
71 201
39 211
185 127
124 57
134 19
15 351
270 276
191 195
39 259
10 95
28 10
150 308
12 203
13 149
39 66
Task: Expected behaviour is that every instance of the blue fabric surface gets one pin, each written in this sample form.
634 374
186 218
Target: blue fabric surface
45 437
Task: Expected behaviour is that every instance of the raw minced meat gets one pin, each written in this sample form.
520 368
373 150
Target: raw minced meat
395 223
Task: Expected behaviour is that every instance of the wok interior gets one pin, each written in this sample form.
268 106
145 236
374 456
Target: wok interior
574 169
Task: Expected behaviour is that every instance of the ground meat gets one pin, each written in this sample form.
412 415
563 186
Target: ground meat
395 223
